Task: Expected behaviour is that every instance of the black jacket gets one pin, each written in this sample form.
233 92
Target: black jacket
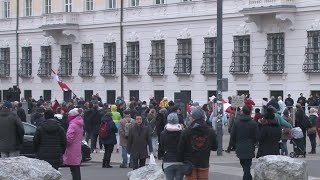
269 137
95 120
160 122
50 142
111 139
36 119
244 134
199 158
300 120
22 114
169 146
289 102
302 100
86 120
274 103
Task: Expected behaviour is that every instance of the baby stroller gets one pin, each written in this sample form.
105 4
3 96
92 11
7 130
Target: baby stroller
298 143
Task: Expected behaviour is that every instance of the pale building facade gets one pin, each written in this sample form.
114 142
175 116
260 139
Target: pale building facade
270 47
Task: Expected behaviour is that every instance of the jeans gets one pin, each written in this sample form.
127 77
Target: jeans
313 142
10 154
108 148
173 172
94 139
75 171
199 174
124 156
246 166
138 163
284 150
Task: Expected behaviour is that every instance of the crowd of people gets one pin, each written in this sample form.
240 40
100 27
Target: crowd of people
157 130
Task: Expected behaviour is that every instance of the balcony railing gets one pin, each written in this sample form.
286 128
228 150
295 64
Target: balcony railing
45 68
274 63
240 66
108 67
264 3
86 67
209 64
61 18
183 64
312 61
132 66
156 66
25 68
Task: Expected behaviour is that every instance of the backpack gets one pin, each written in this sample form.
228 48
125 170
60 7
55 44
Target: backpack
127 128
199 141
104 130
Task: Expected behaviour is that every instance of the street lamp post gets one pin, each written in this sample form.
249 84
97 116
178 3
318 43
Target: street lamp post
121 47
219 76
17 43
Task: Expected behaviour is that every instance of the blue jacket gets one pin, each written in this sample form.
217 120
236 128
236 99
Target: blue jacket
111 139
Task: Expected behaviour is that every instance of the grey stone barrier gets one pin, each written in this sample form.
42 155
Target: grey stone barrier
149 172
280 168
23 168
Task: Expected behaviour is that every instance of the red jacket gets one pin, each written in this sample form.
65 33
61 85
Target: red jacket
249 103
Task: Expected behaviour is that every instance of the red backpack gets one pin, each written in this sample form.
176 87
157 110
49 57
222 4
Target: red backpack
104 130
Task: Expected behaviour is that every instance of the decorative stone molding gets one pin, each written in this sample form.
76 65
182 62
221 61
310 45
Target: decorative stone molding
315 25
212 32
184 34
47 41
72 33
26 43
242 30
4 44
110 38
286 18
133 37
158 35
256 20
87 40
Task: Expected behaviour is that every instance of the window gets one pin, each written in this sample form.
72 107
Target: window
242 92
47 6
312 61
27 94
86 67
67 96
5 95
4 62
274 63
276 94
111 4
45 62
132 66
26 62
184 57
111 96
157 58
6 9
240 55
158 95
109 60
28 8
159 1
209 65
186 96
88 95
134 2
68 5
65 64
89 5
29 130
134 94
47 95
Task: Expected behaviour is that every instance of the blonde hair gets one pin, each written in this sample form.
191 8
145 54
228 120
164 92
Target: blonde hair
313 110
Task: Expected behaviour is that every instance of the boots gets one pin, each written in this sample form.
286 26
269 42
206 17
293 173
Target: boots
104 163
108 164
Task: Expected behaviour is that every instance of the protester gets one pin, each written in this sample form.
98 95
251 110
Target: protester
124 127
151 123
21 113
289 103
110 140
245 136
11 132
87 121
72 155
37 117
301 121
172 160
312 129
62 118
160 124
138 140
248 102
164 103
285 132
95 119
281 105
116 116
302 101
49 141
257 115
231 120
195 145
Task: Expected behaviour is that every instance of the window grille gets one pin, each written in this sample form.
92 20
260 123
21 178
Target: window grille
109 60
312 61
65 63
132 66
86 67
26 62
157 58
209 64
274 63
240 55
183 64
45 62
4 62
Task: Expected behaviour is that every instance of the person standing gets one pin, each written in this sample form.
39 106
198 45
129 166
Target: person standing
302 101
49 141
231 120
245 136
95 120
161 120
110 140
289 103
116 116
87 122
172 160
11 132
124 127
138 140
164 103
285 132
312 133
21 113
72 155
301 121
195 145
281 105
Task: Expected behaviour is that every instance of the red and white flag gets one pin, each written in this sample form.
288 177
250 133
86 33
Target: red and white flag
55 106
63 86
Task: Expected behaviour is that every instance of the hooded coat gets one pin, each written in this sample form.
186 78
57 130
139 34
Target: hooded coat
50 142
111 138
72 155
116 116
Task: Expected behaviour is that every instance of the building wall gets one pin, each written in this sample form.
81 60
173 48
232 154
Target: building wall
171 21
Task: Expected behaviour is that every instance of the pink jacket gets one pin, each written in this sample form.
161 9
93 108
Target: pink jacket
72 155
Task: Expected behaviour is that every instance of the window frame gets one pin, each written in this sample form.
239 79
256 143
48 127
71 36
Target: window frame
275 53
26 62
184 57
109 59
89 5
241 55
134 3
209 65
67 5
159 2
45 63
157 58
5 62
6 9
65 62
133 58
28 7
47 6
111 4
87 60
312 60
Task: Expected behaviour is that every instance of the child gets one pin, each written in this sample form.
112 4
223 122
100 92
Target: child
257 115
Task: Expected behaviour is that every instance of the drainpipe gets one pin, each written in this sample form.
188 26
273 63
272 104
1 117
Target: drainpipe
17 43
121 46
